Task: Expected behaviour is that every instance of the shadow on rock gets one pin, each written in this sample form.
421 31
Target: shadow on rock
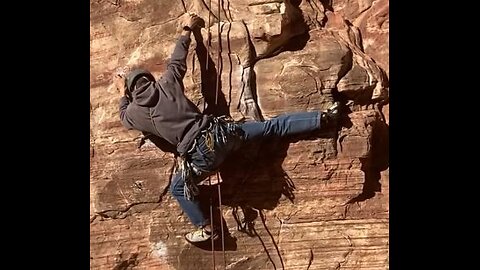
377 162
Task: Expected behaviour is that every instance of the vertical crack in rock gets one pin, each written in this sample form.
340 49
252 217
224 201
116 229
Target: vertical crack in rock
341 137
355 36
317 10
248 103
219 62
212 14
184 6
229 51
279 230
229 17
310 259
346 254
230 71
224 10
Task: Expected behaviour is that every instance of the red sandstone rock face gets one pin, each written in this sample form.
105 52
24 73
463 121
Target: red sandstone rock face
319 203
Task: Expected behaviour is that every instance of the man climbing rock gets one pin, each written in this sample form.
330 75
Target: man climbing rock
200 142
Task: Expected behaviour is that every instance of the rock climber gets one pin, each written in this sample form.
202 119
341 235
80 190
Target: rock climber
200 142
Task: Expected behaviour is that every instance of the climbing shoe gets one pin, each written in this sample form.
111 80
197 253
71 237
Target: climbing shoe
200 235
331 115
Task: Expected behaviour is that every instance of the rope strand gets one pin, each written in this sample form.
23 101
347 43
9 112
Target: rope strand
209 181
211 226
217 87
221 222
219 54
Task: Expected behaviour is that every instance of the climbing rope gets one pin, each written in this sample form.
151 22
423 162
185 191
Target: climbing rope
209 178
217 87
208 34
204 106
219 73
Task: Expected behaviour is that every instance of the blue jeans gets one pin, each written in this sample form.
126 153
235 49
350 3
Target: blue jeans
202 157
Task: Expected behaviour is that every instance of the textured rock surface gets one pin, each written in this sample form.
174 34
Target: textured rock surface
319 203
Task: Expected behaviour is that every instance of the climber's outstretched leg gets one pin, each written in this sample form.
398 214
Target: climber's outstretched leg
291 124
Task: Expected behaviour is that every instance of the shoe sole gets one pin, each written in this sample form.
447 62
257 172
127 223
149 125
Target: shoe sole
215 237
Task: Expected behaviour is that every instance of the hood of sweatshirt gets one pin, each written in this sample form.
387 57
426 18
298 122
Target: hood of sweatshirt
146 95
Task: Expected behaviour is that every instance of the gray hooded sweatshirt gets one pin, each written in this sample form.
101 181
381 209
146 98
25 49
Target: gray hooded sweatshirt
161 107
